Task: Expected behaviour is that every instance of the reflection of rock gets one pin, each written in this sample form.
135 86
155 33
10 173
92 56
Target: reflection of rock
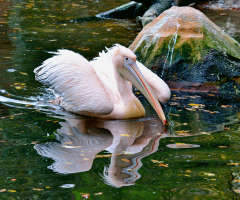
183 46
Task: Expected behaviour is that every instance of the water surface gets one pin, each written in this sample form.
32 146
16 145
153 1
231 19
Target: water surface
46 153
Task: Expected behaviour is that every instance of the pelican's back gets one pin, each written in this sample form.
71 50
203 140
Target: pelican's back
72 77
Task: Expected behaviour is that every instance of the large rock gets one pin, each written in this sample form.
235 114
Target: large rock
190 52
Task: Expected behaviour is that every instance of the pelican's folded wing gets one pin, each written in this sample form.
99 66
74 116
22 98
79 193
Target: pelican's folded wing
72 77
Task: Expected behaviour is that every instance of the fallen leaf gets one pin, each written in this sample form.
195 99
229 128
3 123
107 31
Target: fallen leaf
163 165
3 190
38 189
223 147
23 73
156 161
177 115
85 196
235 164
208 174
225 106
125 135
85 159
13 179
125 160
181 131
12 191
103 156
99 193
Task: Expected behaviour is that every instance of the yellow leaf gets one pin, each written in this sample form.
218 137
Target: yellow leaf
37 189
125 160
223 146
23 73
99 193
125 135
103 156
156 161
28 105
163 165
187 175
181 131
208 174
12 191
47 187
85 159
177 115
235 164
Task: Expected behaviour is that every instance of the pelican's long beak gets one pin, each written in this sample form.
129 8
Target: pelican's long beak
131 72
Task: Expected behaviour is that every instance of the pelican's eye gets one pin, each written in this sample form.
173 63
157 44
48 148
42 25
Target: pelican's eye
128 61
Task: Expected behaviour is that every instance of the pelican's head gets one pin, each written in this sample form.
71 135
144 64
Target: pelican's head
125 61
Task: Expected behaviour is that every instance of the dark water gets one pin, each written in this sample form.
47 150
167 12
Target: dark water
46 153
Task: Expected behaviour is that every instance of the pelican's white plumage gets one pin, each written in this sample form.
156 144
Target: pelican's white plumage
102 87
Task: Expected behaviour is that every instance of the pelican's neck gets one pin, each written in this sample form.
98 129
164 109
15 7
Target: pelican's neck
126 105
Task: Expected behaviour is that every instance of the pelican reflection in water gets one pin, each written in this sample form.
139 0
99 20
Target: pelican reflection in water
103 87
80 140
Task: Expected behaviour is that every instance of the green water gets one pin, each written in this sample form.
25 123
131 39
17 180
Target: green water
46 153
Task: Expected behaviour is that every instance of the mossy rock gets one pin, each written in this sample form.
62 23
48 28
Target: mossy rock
183 46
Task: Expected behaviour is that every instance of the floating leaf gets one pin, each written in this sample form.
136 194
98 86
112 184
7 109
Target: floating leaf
99 193
85 159
23 73
3 190
163 165
156 161
125 160
177 115
38 189
125 135
225 106
208 174
235 164
85 196
103 156
12 191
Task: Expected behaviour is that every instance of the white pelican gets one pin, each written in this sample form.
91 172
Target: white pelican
103 87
